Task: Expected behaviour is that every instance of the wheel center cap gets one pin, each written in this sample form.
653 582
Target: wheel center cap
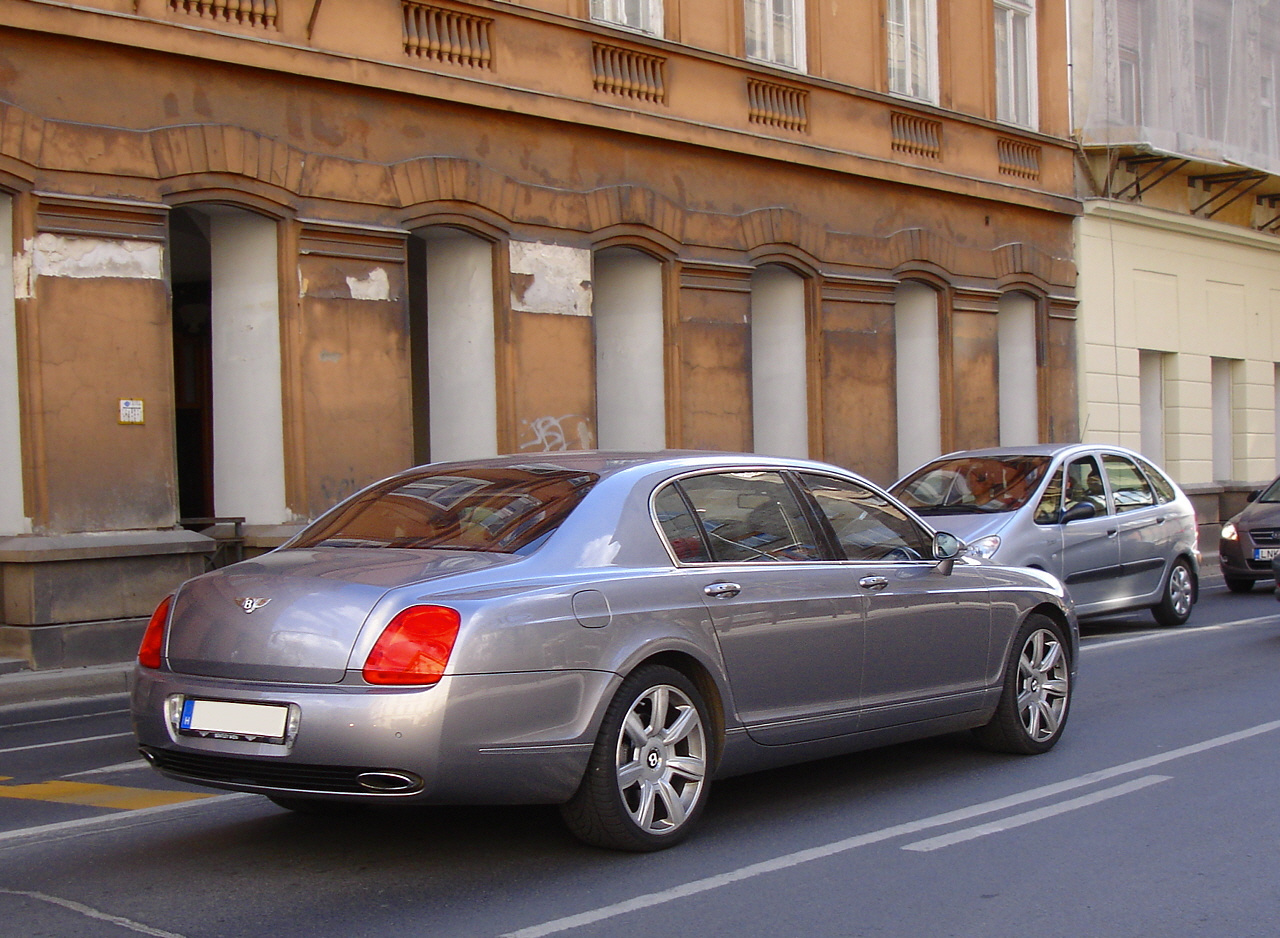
653 759
1035 685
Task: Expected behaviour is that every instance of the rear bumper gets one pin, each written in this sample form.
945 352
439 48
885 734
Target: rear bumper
471 739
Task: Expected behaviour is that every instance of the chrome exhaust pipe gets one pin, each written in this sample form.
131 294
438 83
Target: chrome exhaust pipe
389 782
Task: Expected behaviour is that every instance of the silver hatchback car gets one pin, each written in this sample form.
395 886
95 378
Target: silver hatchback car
1111 526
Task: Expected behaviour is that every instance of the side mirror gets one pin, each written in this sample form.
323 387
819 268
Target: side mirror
1253 496
946 548
1078 512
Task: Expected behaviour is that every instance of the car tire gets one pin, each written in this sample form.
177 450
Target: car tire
648 776
1239 585
1177 597
1035 698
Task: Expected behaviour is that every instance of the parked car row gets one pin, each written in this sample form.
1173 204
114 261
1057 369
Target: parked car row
612 632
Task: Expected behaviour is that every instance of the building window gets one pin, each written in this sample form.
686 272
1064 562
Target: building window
913 61
644 16
1131 43
775 32
1015 62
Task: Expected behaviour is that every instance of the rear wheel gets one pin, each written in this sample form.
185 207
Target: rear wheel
1174 607
1239 585
1036 696
647 779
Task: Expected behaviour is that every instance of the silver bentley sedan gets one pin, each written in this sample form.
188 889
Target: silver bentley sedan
608 632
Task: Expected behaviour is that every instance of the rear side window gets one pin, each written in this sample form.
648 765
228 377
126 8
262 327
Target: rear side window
1129 488
745 516
1165 491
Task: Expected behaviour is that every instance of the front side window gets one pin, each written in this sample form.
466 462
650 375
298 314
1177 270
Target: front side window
745 517
1084 485
867 525
644 16
510 510
912 35
1015 62
775 32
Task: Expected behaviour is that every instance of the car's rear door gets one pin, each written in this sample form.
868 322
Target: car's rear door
1146 540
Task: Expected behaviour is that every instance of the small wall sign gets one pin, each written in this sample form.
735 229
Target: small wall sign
131 412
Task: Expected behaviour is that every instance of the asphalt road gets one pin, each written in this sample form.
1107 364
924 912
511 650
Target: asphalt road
1157 815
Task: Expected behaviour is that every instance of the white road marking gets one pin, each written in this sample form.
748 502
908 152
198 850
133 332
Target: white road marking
77 716
1030 817
119 820
65 742
88 912
874 837
110 769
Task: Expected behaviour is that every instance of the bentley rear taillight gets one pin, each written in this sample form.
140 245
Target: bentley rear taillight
414 647
152 647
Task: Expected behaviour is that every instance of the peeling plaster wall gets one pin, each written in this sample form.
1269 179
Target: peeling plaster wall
550 278
53 255
12 517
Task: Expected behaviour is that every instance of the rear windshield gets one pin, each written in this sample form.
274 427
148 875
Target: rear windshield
507 509
973 484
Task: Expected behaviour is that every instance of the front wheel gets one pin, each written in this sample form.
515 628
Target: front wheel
1036 696
1179 595
647 778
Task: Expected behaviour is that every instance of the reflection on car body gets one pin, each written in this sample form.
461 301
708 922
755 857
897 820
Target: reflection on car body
606 632
1108 523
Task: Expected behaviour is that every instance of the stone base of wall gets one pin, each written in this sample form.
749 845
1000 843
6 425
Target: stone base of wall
1215 504
84 599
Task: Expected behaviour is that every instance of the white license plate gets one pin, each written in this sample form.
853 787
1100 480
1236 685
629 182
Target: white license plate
1266 553
225 719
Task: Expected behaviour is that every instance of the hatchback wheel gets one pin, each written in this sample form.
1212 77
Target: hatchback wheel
647 779
1036 696
1174 607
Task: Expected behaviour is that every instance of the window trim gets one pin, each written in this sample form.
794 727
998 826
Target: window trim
930 37
608 13
1007 85
799 40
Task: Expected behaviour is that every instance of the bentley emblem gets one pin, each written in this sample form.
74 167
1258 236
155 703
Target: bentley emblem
250 603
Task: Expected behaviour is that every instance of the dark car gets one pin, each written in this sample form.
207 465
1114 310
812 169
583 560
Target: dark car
1250 541
604 631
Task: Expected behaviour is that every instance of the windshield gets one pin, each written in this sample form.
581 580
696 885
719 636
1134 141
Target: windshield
973 484
507 509
1271 494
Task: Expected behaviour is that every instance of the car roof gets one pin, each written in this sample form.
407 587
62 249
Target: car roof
1042 449
607 463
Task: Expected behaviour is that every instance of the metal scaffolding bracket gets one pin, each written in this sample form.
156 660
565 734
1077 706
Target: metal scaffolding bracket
1143 169
1238 184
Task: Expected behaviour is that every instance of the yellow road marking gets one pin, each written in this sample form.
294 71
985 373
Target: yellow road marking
98 796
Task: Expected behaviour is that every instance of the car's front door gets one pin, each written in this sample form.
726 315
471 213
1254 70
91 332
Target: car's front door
1089 565
928 626
788 624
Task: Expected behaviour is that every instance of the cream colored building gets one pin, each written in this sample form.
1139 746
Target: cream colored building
1179 329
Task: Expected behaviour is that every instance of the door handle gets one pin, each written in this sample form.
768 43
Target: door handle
873 583
722 590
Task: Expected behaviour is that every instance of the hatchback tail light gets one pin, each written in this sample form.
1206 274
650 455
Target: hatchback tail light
152 647
414 647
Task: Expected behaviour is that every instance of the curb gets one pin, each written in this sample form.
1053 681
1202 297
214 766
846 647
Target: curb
35 686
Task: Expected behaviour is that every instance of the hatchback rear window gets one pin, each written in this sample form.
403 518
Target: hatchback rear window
504 509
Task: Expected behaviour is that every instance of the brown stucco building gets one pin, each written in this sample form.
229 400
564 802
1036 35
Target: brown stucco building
266 251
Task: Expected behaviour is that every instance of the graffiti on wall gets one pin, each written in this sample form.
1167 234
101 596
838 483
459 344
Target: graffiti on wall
556 434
